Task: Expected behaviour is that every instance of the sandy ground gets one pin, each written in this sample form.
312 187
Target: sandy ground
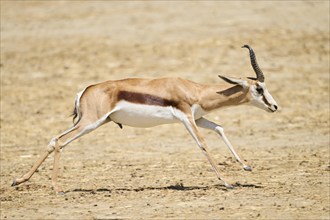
52 50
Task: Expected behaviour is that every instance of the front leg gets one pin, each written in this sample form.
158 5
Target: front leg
190 125
204 123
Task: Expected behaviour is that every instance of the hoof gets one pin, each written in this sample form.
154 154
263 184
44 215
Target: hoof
247 168
61 193
14 183
229 186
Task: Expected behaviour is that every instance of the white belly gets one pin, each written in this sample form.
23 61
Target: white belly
138 115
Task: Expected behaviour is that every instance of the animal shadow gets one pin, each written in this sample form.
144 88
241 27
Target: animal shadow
176 187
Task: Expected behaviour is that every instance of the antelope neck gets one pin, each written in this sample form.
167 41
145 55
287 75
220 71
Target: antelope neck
213 98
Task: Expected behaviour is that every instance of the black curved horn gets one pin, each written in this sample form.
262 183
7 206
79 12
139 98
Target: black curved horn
257 70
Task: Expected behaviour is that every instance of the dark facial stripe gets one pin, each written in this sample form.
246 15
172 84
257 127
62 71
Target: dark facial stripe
146 99
265 100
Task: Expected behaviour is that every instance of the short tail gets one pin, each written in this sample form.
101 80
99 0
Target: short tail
77 111
76 114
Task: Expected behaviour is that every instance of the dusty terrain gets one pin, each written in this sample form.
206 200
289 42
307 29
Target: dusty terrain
52 50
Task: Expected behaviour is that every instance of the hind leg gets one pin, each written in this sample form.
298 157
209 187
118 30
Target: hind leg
56 144
36 165
83 127
50 148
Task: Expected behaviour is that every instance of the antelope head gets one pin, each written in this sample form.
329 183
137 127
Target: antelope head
258 94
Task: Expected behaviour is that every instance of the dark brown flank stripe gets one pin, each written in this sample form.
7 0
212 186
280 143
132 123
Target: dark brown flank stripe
146 99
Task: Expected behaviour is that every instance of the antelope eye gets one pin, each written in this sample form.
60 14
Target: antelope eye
260 90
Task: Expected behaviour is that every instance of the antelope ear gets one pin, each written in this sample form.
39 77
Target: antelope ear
230 80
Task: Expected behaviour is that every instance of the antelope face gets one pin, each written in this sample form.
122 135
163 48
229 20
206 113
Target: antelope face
258 94
261 98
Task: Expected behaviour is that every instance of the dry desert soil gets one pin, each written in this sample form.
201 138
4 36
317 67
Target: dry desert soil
50 50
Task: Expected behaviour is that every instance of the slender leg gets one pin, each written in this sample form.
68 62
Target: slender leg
57 155
190 125
68 137
204 123
83 127
50 149
36 165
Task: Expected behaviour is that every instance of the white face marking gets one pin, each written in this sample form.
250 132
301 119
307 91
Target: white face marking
139 115
261 98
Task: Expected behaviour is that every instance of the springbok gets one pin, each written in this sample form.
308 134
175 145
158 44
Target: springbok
140 102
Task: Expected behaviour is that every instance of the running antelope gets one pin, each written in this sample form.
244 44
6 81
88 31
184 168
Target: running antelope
140 102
